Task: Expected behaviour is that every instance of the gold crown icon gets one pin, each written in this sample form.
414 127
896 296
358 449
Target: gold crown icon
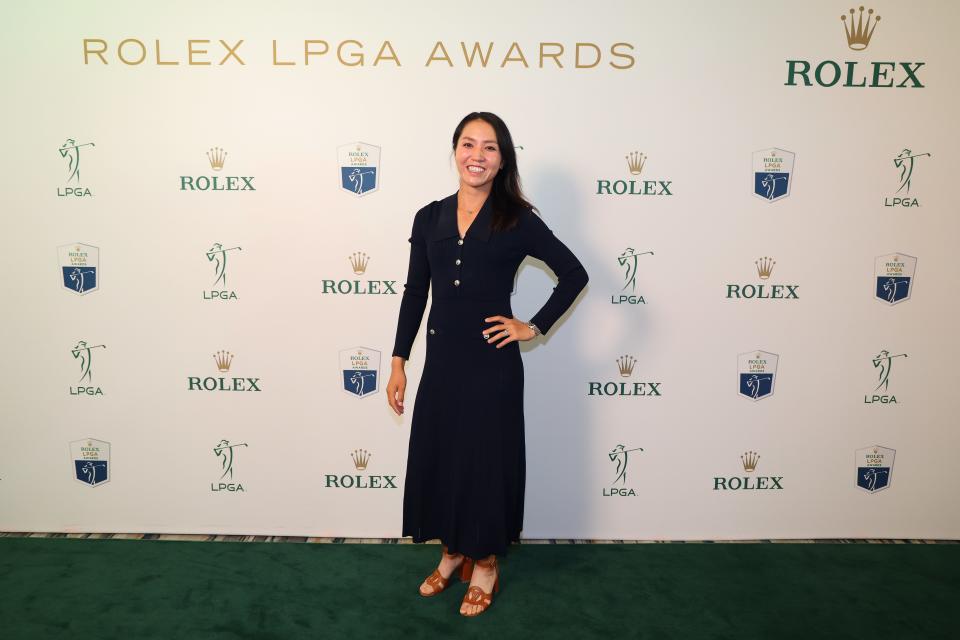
360 458
626 364
749 460
858 36
359 262
224 359
635 162
765 267
217 157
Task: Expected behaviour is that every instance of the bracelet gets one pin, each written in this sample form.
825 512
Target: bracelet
536 331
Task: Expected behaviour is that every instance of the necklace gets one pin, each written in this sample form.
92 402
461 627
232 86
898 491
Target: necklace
469 215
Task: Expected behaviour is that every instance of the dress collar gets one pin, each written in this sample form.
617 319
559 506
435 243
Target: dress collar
447 225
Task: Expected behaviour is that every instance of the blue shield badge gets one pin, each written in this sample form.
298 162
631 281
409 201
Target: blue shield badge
91 460
772 173
360 369
756 374
874 468
79 267
359 167
894 274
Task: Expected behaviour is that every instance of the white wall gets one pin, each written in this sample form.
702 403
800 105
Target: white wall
706 90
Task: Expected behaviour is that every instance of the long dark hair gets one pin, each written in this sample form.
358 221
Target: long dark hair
507 197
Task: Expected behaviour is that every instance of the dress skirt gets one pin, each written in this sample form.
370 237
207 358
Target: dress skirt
466 465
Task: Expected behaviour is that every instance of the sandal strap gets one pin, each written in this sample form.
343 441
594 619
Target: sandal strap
437 581
487 564
476 595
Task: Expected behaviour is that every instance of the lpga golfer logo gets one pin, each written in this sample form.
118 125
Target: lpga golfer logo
620 455
84 353
359 165
904 164
628 260
78 267
894 276
874 468
225 452
91 460
772 173
757 372
883 364
70 152
218 256
361 369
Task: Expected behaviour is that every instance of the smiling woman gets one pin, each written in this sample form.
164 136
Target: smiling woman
466 463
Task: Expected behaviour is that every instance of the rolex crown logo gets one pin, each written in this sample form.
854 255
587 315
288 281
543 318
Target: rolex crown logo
859 34
749 460
359 262
217 157
635 162
361 457
765 267
625 364
224 359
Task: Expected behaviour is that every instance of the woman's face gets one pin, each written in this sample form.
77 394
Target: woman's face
478 155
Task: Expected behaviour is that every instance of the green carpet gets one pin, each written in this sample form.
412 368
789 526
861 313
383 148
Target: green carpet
62 588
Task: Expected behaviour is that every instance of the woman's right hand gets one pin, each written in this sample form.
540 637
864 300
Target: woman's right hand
396 387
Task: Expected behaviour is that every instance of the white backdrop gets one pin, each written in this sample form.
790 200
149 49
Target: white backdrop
705 86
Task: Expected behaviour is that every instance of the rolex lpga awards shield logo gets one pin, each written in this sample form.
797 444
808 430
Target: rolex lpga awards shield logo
874 468
79 267
361 371
772 173
757 371
91 460
894 277
359 168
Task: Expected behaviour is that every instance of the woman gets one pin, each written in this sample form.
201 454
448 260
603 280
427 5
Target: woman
466 466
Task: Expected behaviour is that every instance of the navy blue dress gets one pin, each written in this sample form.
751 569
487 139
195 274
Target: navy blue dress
466 466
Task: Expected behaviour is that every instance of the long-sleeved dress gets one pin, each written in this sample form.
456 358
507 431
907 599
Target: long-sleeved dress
466 465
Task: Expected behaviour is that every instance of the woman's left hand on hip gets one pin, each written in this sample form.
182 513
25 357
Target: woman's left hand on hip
506 330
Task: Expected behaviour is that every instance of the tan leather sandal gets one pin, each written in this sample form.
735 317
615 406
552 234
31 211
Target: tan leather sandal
477 596
438 583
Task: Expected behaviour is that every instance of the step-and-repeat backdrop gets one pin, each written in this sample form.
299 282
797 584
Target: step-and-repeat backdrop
205 217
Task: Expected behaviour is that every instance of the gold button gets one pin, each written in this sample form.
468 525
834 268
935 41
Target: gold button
460 241
432 332
456 283
458 261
